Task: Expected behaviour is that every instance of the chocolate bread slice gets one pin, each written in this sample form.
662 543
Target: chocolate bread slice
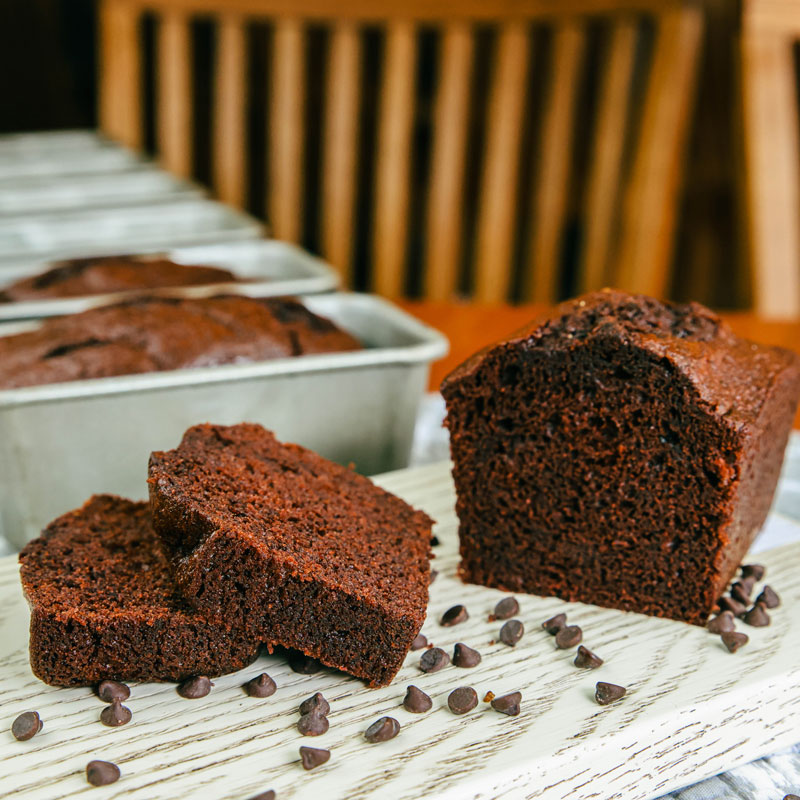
619 451
308 554
103 604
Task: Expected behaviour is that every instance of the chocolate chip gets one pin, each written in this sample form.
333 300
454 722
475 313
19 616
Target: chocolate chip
303 664
505 609
434 575
769 597
748 583
382 730
723 623
756 571
586 659
733 641
268 795
454 616
568 637
26 726
194 688
416 701
757 616
262 686
606 693
312 757
108 691
741 591
314 723
791 797
115 715
433 660
555 624
508 704
101 773
435 541
419 642
464 656
315 703
512 632
463 699
734 606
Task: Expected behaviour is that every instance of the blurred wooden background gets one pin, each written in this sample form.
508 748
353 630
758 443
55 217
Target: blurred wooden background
707 253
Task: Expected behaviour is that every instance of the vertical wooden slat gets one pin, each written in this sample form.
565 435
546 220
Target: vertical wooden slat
394 159
174 94
444 227
230 145
771 141
120 109
286 134
495 228
552 184
650 207
340 153
605 170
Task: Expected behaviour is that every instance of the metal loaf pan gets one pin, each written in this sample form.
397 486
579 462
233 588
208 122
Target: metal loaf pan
61 443
29 240
47 193
270 267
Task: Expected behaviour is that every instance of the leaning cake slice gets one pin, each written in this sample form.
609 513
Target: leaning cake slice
619 451
309 554
103 604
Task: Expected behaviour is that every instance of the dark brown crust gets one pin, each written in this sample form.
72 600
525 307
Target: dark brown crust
309 554
158 334
618 451
104 606
82 277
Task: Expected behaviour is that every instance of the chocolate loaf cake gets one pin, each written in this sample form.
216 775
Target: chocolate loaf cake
618 451
308 554
80 277
103 604
156 334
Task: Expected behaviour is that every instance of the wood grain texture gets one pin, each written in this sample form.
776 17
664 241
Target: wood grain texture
692 709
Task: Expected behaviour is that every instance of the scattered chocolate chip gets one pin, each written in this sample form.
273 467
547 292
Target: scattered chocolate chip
303 664
756 571
791 797
511 632
464 656
315 703
505 609
420 641
454 616
734 606
749 582
555 624
568 637
194 688
508 704
733 641
268 795
314 723
606 693
262 686
382 730
434 575
108 691
115 715
102 773
463 699
757 616
26 726
416 701
741 591
769 597
433 660
586 659
435 541
312 757
724 623
488 697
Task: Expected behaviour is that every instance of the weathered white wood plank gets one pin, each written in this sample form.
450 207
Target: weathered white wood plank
692 708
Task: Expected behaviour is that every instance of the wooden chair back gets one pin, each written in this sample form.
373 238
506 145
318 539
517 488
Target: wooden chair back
491 183
770 32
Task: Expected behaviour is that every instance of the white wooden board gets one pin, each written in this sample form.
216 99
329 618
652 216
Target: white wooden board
692 708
